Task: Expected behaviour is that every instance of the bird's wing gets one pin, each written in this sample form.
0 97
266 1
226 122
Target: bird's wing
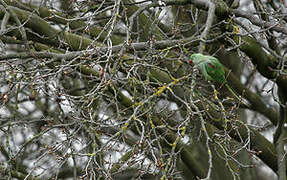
215 70
205 71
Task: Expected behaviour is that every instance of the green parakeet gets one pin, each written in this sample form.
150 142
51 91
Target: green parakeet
211 69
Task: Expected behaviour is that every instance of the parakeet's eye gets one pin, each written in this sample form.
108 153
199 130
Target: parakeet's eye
211 65
190 62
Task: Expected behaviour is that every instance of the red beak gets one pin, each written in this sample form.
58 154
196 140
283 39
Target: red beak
190 62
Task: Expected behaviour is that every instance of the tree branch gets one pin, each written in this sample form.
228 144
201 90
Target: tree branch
256 21
210 17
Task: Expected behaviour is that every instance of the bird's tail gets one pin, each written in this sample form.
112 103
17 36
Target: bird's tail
233 93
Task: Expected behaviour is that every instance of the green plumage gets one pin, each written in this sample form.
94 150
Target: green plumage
211 69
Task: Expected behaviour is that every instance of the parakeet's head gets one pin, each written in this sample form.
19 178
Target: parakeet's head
195 58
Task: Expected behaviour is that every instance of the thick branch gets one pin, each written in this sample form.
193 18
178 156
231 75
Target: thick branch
258 22
210 17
